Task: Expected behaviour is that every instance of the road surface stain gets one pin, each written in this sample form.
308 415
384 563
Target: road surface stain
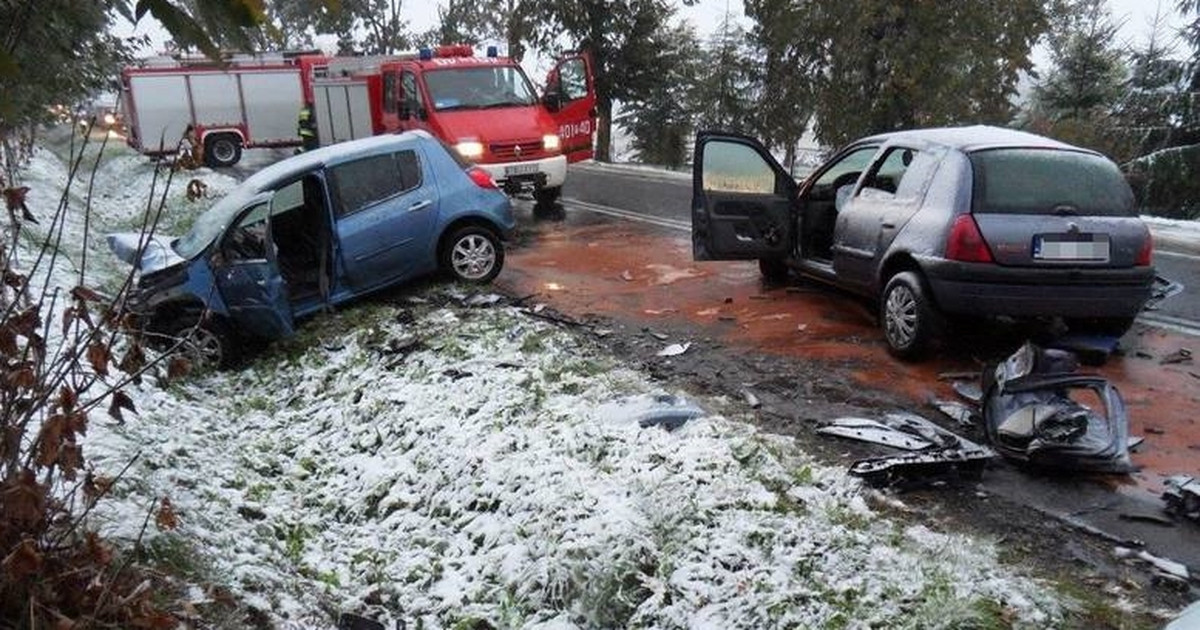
649 276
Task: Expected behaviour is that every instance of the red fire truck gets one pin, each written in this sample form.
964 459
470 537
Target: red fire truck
251 101
483 106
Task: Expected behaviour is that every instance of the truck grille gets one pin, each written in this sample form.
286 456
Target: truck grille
523 150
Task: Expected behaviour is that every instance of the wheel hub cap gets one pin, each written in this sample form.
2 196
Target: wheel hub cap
473 257
900 316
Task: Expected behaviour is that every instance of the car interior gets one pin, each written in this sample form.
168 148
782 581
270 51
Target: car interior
299 232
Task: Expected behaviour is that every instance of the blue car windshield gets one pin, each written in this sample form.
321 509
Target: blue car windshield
208 226
1049 181
479 88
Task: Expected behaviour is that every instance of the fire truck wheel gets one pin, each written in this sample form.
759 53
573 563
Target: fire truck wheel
547 196
222 150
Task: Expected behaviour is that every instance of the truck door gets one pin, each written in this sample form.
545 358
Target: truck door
571 97
247 275
742 200
412 111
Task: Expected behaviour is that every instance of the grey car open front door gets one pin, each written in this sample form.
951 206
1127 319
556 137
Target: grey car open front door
742 200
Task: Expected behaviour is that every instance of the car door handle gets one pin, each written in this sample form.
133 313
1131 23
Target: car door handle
888 225
420 205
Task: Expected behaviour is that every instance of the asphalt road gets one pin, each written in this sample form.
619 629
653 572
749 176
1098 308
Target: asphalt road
664 198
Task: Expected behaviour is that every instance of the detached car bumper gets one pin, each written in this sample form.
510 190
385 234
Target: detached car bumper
986 289
548 172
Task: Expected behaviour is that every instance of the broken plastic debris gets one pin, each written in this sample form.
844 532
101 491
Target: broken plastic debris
660 336
674 349
1182 355
1166 568
483 299
1182 496
874 432
1134 442
936 451
626 276
1032 412
968 390
662 410
1161 290
964 415
751 399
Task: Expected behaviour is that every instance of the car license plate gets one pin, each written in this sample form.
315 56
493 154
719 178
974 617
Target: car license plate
520 169
1093 247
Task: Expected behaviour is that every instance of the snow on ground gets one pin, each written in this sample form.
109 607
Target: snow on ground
431 462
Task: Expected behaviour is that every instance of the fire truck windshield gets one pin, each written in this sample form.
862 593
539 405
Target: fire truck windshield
479 88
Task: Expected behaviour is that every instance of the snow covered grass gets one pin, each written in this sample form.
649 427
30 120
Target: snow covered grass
488 477
429 461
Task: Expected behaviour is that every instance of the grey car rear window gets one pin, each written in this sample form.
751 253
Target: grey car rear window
1048 181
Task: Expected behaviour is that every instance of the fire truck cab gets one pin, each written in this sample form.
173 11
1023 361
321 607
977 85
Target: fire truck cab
484 107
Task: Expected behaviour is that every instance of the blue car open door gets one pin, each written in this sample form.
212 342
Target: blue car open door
248 277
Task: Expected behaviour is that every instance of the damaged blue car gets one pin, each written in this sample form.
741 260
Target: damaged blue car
315 230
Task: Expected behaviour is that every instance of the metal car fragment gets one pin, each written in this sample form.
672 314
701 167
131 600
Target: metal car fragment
935 451
1034 411
1182 496
674 349
964 415
1169 569
1162 289
648 410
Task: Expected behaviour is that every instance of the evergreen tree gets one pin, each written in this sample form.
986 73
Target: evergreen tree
626 40
880 65
1087 70
784 76
726 92
660 122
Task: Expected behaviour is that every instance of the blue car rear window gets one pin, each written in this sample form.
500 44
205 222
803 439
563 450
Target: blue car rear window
1048 181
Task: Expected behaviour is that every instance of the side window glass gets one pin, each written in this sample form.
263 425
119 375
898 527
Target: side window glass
247 240
846 170
887 175
365 182
572 79
736 167
391 91
412 99
410 169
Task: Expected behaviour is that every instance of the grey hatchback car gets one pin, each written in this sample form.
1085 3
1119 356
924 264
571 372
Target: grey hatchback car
964 222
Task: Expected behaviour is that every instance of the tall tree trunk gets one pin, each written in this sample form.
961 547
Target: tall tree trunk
604 129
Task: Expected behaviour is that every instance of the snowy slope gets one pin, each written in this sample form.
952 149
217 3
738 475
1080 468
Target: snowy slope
419 459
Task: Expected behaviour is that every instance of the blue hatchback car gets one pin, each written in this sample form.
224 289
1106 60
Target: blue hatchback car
313 230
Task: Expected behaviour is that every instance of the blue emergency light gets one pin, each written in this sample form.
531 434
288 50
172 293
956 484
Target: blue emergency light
426 54
492 51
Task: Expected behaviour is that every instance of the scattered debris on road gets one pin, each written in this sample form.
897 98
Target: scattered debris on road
1034 411
969 391
1162 289
675 349
652 410
751 400
1183 496
935 452
1182 355
1164 568
964 415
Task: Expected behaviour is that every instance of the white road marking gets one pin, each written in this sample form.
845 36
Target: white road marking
1177 255
1157 320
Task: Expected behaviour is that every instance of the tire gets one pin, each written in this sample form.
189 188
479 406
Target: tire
547 196
910 320
773 269
1114 326
208 344
222 150
472 254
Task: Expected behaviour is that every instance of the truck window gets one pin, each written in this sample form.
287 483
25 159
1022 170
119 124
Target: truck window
391 92
573 79
363 183
412 99
479 88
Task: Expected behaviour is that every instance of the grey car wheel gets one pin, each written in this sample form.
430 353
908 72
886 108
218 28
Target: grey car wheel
909 319
206 345
222 150
473 254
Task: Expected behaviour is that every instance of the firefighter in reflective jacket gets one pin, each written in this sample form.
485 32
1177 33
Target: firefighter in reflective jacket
306 128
